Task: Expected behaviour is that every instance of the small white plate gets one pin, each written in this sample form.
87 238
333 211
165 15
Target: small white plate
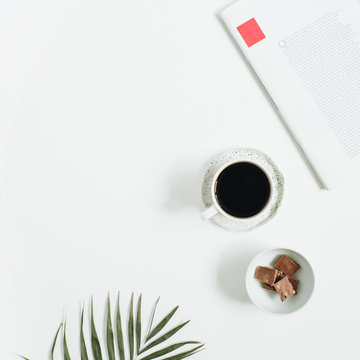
269 301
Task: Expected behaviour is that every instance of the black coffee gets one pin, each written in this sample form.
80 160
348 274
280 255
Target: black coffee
242 189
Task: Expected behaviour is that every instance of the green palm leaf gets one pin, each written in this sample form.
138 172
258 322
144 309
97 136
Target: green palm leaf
138 325
167 350
152 317
95 344
134 330
83 351
66 350
119 332
131 328
54 342
185 354
164 337
110 333
162 324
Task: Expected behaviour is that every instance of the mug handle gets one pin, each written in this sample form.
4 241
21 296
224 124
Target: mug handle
209 212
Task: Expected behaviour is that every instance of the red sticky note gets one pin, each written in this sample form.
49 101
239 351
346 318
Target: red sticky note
251 33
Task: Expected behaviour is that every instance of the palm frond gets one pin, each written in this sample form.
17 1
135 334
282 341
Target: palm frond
138 325
136 347
131 328
66 350
186 353
83 350
109 332
119 332
152 317
162 324
164 337
95 344
167 350
54 342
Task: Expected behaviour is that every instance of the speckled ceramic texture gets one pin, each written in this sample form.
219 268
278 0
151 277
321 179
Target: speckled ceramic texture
275 177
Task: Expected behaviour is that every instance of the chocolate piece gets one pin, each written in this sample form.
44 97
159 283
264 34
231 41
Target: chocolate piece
294 283
279 275
284 288
266 275
268 287
287 266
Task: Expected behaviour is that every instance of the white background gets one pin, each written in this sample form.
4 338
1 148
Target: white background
110 111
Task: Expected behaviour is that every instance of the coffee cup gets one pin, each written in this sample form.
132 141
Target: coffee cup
242 189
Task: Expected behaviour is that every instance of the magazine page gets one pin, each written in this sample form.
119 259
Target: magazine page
308 59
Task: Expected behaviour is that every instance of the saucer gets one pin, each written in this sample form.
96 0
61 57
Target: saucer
276 178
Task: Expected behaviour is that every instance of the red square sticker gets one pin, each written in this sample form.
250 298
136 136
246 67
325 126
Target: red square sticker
251 33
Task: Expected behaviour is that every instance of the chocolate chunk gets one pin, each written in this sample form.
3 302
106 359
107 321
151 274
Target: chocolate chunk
294 283
287 266
284 288
268 287
279 275
266 275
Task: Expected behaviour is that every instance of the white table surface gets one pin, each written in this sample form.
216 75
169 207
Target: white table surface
110 111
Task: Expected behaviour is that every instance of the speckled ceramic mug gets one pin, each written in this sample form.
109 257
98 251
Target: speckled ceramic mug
216 212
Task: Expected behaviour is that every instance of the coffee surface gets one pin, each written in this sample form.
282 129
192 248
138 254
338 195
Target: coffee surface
242 189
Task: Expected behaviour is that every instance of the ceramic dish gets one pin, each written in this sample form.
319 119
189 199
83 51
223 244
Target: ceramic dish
269 301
